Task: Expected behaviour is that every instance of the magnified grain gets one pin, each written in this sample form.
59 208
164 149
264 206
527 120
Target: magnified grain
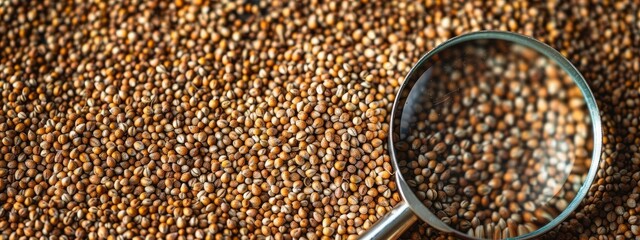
521 178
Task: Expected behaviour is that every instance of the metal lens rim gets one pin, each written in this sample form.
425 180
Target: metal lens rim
423 212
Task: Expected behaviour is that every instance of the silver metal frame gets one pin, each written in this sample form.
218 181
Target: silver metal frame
396 222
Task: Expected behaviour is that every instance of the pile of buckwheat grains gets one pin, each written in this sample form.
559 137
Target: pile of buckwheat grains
197 119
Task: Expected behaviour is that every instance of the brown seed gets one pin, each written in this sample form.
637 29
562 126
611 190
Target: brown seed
182 150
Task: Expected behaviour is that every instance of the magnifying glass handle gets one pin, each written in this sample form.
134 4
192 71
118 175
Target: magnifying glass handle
392 225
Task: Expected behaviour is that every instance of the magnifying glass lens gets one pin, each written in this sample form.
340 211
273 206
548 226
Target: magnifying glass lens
493 137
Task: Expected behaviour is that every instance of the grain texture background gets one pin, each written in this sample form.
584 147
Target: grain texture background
159 119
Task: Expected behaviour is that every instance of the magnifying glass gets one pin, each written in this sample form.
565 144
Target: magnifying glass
494 135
